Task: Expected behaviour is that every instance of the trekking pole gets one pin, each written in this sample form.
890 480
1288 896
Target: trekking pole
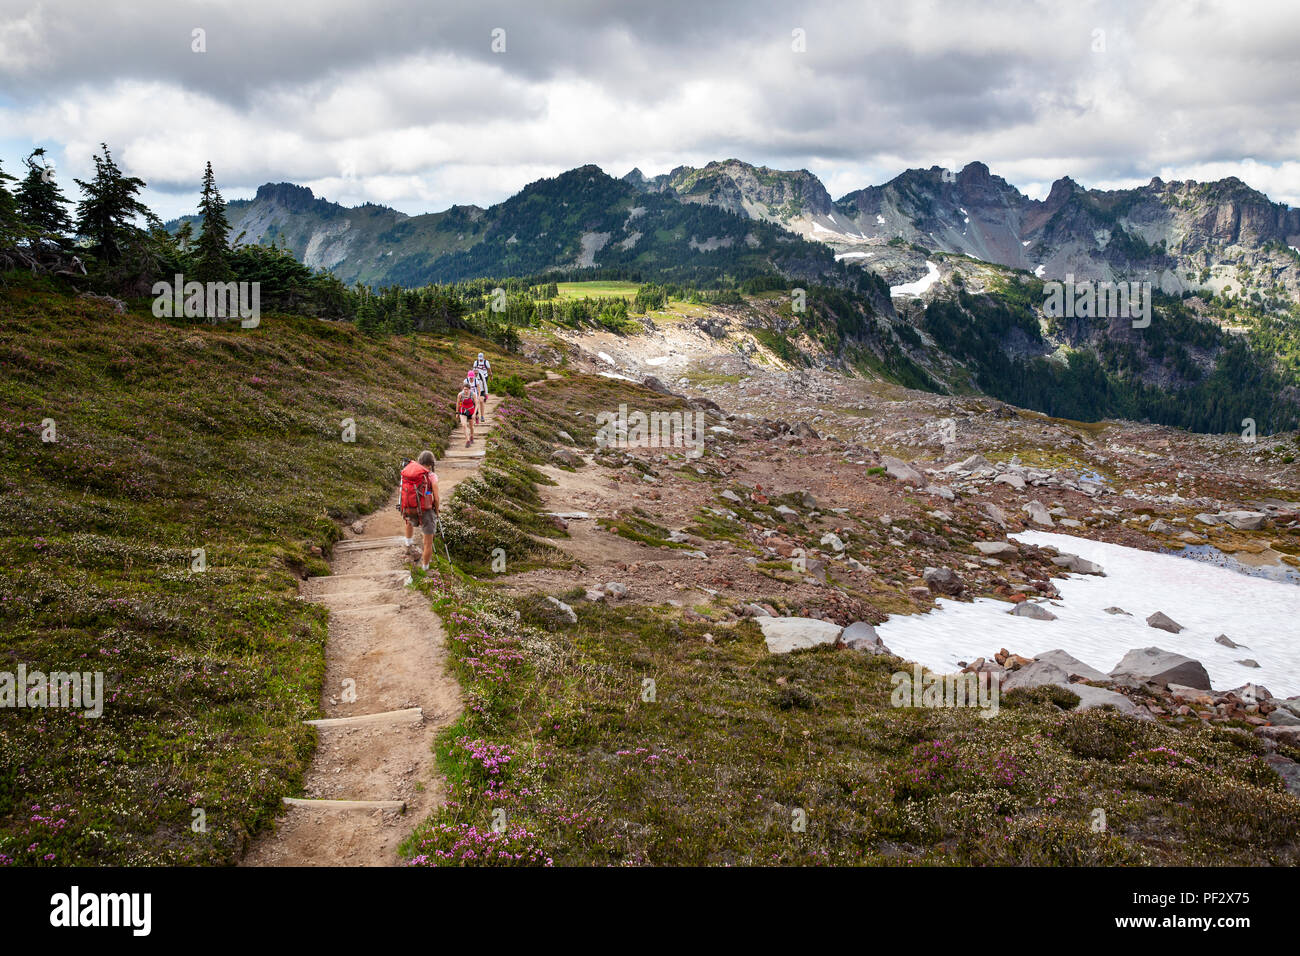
441 537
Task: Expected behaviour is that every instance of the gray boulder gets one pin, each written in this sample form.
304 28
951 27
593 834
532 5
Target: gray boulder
1035 674
1035 611
785 634
1091 698
1071 665
1245 520
943 580
1283 718
1038 513
1226 641
973 463
861 636
614 589
1162 667
1072 562
1288 770
995 548
901 471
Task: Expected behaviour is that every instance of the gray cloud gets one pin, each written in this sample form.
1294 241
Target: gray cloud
405 102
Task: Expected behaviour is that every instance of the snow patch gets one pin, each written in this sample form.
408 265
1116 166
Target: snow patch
1206 600
920 285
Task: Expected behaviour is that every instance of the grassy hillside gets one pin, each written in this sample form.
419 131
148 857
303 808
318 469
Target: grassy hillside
172 437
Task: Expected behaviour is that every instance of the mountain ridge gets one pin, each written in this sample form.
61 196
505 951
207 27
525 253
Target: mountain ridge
1182 236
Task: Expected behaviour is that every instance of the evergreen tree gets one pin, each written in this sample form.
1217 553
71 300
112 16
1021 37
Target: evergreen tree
185 236
212 248
41 202
107 212
10 226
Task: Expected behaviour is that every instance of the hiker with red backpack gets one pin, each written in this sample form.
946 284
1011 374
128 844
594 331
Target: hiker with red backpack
466 407
419 502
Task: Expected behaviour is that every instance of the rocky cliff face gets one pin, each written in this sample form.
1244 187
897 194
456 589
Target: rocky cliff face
1183 235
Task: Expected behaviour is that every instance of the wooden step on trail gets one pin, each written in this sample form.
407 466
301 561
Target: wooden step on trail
367 607
361 574
366 544
398 805
411 715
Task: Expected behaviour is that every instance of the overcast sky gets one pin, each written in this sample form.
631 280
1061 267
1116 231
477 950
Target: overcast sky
407 103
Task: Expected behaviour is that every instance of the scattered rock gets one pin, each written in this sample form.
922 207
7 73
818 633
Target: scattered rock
861 636
1164 622
1288 770
901 471
1284 735
1015 481
992 548
998 516
1248 662
1072 562
1072 666
1118 610
1032 610
943 580
1226 641
1035 674
615 589
569 614
973 463
1038 513
1245 520
566 457
1091 698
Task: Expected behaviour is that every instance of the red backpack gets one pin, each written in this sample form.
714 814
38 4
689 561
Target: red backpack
417 490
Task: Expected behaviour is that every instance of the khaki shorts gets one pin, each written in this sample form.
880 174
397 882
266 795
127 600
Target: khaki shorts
428 520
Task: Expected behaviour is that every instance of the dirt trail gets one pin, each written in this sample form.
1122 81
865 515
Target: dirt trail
386 668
